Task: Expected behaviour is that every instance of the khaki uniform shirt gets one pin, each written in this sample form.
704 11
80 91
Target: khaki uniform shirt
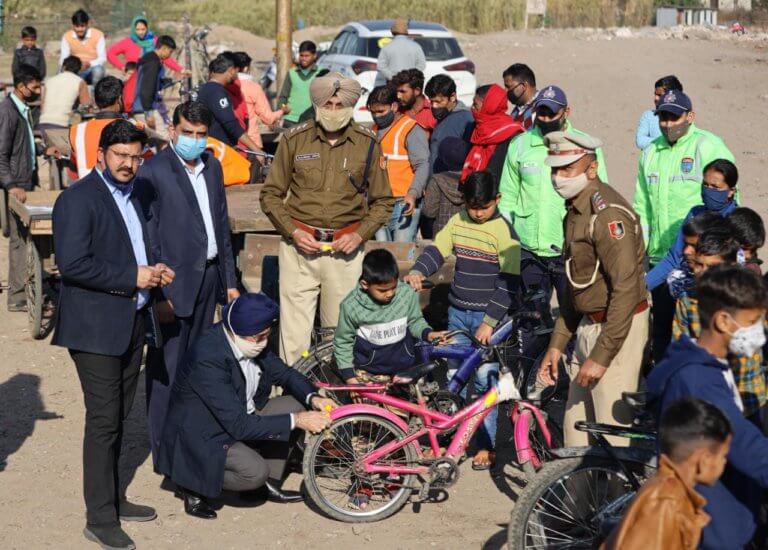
605 254
309 181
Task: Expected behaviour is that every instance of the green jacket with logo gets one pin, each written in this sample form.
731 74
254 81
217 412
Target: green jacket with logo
528 199
669 184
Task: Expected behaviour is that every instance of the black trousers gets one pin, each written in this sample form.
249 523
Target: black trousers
178 337
109 385
662 315
535 276
250 464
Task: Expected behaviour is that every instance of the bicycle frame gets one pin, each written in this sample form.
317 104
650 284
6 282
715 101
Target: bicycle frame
468 420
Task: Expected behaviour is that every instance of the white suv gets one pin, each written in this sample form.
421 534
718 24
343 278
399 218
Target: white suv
355 50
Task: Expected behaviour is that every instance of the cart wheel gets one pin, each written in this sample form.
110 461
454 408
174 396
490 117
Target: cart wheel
6 228
34 288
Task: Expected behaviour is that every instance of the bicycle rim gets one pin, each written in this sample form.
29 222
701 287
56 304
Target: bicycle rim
569 513
332 481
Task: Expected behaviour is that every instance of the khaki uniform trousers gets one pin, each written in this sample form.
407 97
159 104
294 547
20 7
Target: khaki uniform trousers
304 279
602 402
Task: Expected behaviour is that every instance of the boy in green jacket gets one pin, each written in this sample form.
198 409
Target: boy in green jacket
378 323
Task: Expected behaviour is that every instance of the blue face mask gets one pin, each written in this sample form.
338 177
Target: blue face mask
190 148
714 199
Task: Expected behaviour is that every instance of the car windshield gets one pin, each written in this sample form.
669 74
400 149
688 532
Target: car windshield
435 49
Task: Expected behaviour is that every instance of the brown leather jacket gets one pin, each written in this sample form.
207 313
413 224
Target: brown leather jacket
666 514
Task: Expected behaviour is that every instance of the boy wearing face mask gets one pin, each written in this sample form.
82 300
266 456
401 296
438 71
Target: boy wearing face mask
606 303
717 246
718 193
453 117
405 148
529 201
732 303
670 174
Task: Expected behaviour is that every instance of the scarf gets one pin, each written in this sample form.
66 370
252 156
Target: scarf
148 43
493 126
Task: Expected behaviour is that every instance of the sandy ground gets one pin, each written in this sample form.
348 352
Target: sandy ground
41 413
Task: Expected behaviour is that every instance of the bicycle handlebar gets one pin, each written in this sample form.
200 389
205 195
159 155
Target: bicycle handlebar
255 153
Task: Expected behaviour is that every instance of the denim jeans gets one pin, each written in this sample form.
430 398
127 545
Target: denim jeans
93 74
485 377
400 229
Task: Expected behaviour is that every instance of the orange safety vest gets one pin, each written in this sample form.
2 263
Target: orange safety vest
236 169
395 152
84 141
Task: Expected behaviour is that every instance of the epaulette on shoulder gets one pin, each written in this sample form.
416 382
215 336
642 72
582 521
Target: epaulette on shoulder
364 130
598 202
299 128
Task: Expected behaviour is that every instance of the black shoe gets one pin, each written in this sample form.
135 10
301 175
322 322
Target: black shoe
195 505
110 537
278 495
135 512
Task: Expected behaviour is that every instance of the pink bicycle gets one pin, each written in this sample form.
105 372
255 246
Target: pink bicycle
365 466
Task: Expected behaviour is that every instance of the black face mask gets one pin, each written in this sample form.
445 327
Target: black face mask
551 126
440 113
32 97
514 99
384 121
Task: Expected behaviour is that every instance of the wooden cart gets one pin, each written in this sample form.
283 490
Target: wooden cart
42 275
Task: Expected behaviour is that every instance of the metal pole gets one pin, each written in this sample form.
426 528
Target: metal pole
188 51
2 17
284 41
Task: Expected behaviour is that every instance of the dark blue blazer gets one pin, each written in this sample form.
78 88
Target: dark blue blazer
207 412
176 227
97 301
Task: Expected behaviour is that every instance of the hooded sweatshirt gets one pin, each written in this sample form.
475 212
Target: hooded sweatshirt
378 338
459 123
734 501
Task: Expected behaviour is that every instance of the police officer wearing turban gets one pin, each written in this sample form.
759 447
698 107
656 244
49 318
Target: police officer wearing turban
327 193
606 306
223 431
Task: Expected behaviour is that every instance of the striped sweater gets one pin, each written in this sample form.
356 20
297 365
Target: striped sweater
487 276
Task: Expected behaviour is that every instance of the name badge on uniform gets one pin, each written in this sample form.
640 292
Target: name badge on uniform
653 177
686 165
307 156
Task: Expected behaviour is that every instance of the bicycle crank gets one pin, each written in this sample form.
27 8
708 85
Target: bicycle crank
443 473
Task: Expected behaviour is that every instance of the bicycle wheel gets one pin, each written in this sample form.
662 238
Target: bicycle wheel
571 503
344 494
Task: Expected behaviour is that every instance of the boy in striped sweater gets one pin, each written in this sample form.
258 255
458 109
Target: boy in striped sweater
485 284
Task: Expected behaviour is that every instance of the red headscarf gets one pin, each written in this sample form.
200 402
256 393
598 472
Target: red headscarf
493 126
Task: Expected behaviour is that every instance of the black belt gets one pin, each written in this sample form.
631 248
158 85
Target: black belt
212 261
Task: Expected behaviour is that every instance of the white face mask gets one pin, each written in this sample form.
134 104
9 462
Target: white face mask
747 340
333 121
569 187
248 348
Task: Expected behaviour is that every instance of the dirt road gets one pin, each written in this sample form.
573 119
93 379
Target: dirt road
41 412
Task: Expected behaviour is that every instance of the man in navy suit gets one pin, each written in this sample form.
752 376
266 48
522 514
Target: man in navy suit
223 431
104 313
182 193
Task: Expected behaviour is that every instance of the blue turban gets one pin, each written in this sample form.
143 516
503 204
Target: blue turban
250 314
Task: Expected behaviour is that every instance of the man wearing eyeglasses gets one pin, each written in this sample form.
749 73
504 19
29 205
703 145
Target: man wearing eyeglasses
182 192
105 313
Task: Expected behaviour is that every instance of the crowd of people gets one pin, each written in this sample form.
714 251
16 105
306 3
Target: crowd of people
519 197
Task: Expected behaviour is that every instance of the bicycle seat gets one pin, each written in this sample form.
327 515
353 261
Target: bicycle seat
415 373
636 400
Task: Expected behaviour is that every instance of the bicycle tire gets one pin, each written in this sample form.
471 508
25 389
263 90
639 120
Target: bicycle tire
311 466
522 532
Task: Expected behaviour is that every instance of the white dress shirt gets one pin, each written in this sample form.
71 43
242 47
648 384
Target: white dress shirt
197 180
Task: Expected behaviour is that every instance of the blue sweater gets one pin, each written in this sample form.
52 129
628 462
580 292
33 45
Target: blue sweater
674 258
733 502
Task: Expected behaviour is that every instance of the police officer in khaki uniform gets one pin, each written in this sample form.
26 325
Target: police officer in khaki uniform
606 306
327 193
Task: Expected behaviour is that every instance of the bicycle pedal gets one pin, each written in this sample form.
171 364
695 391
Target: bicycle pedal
424 491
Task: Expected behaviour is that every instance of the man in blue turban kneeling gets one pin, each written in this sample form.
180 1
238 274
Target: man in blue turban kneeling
223 432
